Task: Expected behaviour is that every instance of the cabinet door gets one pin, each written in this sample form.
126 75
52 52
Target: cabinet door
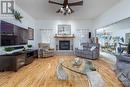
20 61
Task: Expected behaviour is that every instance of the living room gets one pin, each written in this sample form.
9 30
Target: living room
64 43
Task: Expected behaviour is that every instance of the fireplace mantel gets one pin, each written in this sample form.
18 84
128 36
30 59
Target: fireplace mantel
64 36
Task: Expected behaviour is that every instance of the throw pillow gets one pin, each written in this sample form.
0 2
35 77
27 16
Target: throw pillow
81 47
93 48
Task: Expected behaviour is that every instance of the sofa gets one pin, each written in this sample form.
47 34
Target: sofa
45 51
123 69
87 52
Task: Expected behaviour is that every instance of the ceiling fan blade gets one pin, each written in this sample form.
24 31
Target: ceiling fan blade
52 2
76 3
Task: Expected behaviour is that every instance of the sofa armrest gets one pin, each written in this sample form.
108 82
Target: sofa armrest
128 75
123 58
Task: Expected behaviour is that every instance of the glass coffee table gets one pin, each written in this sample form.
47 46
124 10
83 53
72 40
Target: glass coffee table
81 68
87 68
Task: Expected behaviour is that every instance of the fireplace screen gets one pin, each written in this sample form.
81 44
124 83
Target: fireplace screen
64 45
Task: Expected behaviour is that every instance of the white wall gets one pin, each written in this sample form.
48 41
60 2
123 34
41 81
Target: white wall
53 24
117 13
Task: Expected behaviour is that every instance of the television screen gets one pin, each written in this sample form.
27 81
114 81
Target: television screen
12 35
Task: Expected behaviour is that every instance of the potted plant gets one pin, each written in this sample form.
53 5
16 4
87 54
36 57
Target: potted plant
9 50
128 48
29 46
17 15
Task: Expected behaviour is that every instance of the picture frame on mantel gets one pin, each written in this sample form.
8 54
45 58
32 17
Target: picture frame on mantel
64 29
30 33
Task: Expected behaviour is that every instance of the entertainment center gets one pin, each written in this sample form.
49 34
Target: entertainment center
14 61
13 36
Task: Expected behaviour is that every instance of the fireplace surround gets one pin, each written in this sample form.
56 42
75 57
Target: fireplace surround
64 43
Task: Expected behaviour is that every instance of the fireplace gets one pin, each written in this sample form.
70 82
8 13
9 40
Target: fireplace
64 45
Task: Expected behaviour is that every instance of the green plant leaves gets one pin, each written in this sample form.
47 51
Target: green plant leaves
17 15
9 49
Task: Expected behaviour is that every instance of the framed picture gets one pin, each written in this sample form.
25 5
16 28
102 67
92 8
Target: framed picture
64 29
30 33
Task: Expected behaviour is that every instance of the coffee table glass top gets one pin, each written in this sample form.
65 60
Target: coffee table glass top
81 66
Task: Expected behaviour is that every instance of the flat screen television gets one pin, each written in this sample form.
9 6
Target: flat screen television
11 34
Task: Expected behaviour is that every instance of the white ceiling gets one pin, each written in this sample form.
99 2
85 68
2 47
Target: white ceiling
41 9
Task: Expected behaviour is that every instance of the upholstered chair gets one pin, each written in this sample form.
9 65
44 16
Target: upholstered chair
45 50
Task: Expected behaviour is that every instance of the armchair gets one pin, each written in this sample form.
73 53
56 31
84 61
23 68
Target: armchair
45 50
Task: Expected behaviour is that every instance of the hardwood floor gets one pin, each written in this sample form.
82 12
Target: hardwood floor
41 73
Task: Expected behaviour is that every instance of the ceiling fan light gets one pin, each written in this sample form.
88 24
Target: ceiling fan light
61 9
67 7
69 11
65 10
65 13
61 12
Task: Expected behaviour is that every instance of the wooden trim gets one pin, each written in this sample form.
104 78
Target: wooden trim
64 36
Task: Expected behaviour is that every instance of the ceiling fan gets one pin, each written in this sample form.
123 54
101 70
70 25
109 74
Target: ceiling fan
65 9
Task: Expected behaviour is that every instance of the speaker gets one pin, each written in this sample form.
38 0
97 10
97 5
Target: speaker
89 34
